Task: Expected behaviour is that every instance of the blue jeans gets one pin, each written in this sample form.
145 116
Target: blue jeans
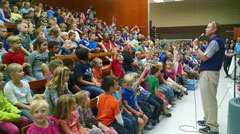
119 128
38 75
157 103
167 91
25 112
130 123
94 91
28 78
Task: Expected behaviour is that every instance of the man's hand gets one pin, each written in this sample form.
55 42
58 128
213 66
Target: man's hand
195 43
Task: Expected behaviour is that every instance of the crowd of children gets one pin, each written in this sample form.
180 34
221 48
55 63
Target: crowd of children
147 76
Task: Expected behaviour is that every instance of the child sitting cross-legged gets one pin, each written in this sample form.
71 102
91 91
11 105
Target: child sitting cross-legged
130 102
108 107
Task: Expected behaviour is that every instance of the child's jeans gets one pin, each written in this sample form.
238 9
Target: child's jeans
130 123
157 103
119 128
167 91
11 128
25 112
94 91
38 75
173 84
28 78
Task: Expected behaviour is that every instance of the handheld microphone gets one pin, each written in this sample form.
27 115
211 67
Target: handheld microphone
201 36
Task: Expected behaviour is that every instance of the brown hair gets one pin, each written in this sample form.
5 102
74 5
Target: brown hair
63 108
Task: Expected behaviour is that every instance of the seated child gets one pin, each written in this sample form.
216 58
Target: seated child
39 57
68 44
130 102
83 74
116 66
96 64
25 38
138 59
72 38
70 63
10 116
41 122
153 87
17 91
15 55
86 117
52 66
108 107
53 50
68 116
57 86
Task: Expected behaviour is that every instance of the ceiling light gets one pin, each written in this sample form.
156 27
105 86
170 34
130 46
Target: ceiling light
158 1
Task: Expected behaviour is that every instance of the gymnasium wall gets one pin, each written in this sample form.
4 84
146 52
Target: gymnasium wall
127 12
188 19
195 12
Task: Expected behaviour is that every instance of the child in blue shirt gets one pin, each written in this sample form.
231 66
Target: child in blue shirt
129 99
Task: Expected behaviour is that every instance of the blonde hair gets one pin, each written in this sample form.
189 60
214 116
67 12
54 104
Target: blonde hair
159 64
3 68
138 52
63 108
135 76
128 78
37 103
12 68
13 39
57 81
171 64
94 62
81 97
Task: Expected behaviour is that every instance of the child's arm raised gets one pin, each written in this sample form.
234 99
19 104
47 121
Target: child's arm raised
139 81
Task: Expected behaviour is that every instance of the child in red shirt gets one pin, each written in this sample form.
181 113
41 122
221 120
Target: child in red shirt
15 55
116 66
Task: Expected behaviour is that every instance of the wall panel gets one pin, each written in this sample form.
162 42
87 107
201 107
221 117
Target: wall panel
127 12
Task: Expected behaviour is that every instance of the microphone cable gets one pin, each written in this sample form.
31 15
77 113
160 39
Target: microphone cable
195 128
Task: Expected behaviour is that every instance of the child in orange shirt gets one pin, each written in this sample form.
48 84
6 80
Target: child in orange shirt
108 107
97 69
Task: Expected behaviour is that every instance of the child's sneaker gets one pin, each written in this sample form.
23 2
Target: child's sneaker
146 127
153 122
167 115
169 106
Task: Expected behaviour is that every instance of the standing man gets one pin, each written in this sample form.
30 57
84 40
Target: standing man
211 63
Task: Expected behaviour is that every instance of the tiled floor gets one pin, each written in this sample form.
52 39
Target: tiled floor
184 112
